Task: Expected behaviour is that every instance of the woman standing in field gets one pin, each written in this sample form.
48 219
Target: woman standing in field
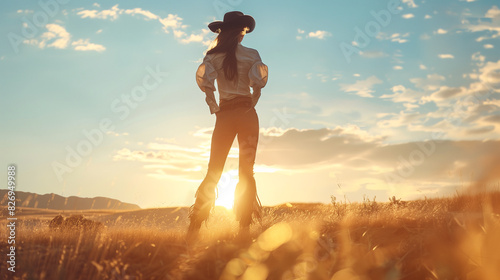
236 68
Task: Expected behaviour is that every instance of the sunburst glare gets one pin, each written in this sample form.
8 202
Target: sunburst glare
226 187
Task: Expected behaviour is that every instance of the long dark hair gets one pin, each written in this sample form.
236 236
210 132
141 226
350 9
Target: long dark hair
226 42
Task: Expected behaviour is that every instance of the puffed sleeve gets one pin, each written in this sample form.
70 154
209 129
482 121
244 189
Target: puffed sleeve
206 75
258 74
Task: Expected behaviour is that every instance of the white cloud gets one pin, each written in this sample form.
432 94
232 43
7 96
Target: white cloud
192 38
397 67
408 16
427 17
488 46
478 58
300 32
85 45
401 119
170 24
319 34
399 38
440 31
446 56
494 12
59 34
103 14
410 3
444 93
465 112
403 94
442 162
364 158
462 110
490 27
490 75
396 37
55 37
139 11
422 67
430 82
25 11
363 88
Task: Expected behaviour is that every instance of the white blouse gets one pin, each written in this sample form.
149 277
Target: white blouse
251 73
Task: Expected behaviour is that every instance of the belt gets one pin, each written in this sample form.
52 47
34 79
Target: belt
238 102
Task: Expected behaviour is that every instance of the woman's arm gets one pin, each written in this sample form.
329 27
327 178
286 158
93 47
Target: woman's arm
255 95
212 104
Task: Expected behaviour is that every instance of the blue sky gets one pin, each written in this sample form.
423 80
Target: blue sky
375 98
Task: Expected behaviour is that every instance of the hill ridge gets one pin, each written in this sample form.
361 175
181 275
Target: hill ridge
58 202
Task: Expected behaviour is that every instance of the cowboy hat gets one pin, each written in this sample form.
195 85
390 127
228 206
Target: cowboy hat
233 19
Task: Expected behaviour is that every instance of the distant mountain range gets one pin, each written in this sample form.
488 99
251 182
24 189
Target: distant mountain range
54 201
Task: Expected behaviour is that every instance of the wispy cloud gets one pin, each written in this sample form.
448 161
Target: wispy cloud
363 88
443 93
440 31
57 34
488 27
139 11
401 119
58 37
85 45
25 11
299 34
370 159
446 56
170 24
111 14
431 82
395 37
494 12
319 34
410 3
403 94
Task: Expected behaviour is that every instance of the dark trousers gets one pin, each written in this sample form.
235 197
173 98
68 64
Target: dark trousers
232 121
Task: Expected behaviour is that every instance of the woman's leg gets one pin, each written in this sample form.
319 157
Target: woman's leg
222 139
246 199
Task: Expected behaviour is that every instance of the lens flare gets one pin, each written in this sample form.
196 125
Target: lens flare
226 187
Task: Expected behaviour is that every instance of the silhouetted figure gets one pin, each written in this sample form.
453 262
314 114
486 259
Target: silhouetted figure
236 68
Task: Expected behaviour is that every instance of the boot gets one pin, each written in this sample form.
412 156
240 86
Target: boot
246 202
200 210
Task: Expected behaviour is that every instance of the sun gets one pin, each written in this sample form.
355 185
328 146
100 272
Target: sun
226 187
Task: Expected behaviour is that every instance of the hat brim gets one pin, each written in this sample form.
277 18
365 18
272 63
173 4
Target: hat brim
242 21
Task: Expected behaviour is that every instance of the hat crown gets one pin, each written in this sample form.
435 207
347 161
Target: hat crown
230 16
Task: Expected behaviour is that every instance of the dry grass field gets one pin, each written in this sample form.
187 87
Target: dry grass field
447 238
